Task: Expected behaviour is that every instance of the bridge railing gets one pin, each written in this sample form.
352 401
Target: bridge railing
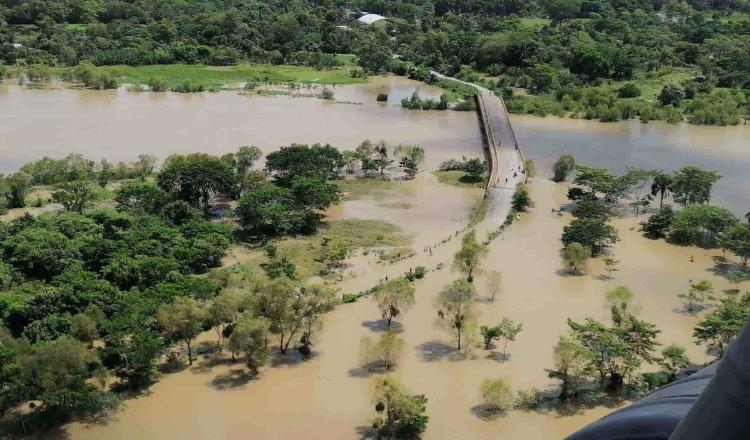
492 150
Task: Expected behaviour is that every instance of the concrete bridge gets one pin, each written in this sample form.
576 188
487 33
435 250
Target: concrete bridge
504 155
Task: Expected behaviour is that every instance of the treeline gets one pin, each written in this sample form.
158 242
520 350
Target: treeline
574 60
675 103
93 297
15 187
585 42
90 294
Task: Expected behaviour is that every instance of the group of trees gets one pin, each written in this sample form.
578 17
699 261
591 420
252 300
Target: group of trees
125 277
73 173
698 222
590 233
597 194
71 278
371 158
594 352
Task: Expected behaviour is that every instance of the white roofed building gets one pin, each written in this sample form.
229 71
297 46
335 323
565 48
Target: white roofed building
369 19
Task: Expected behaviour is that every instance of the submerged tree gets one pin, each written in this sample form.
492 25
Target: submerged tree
382 352
673 359
697 296
692 185
565 165
456 308
223 311
250 337
497 396
737 240
615 352
521 200
508 330
661 186
575 255
394 297
279 301
494 283
409 156
401 415
489 334
467 259
593 233
571 366
619 301
722 325
318 300
610 266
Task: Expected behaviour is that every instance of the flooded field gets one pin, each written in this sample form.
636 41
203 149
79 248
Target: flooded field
328 396
120 125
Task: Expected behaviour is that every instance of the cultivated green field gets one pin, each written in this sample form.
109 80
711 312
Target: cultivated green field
215 77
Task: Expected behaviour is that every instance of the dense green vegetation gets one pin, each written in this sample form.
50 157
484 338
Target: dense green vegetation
597 59
111 284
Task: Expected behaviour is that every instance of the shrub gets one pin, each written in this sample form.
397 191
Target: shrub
420 272
629 90
157 85
382 97
327 94
349 298
497 395
659 224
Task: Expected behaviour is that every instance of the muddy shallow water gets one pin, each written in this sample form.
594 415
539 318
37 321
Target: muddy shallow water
327 397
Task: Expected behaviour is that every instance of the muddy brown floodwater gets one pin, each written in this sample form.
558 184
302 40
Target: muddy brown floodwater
120 125
328 396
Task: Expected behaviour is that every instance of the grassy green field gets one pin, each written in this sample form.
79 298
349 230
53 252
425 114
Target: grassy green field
215 77
361 234
457 178
534 23
76 26
375 188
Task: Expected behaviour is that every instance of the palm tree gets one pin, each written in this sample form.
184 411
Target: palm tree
661 184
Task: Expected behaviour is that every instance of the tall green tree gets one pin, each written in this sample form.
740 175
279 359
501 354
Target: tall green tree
197 178
76 196
692 185
183 320
722 325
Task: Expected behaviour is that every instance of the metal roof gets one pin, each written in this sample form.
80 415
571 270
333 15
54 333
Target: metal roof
370 18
